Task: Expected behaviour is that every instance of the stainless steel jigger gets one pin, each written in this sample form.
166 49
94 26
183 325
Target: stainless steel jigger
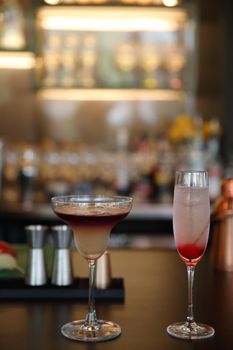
36 274
103 272
62 274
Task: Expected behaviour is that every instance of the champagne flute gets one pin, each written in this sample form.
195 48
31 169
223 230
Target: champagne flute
191 219
91 218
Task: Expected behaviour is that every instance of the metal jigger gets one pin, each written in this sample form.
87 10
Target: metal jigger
36 274
103 272
62 274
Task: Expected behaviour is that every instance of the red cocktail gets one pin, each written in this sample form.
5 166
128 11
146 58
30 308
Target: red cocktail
91 219
91 227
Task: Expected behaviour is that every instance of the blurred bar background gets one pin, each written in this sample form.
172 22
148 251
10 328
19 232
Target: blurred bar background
111 97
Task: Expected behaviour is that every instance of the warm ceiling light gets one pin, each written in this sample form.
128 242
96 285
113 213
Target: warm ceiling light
52 2
170 3
95 19
110 95
17 60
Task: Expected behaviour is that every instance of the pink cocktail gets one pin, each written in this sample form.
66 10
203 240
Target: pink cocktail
191 219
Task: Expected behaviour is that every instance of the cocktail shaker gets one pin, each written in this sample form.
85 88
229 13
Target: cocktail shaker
222 222
103 272
62 273
36 273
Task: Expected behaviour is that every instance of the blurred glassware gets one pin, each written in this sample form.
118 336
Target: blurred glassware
12 26
125 57
149 61
68 68
175 61
11 166
28 174
52 41
86 73
51 63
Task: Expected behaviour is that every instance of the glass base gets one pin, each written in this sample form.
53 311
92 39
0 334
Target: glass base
100 331
192 331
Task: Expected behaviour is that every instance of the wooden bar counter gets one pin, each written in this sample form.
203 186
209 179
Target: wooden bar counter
155 296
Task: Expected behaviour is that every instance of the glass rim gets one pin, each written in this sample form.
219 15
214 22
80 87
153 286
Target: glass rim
192 178
91 198
191 172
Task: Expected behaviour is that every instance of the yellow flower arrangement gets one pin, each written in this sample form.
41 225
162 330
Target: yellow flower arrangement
211 128
182 129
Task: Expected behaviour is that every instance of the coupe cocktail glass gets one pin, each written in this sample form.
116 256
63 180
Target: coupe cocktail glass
91 219
191 219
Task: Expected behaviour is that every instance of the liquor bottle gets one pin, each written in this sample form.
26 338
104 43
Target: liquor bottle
12 36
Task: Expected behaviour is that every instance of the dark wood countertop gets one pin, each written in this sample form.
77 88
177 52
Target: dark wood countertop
155 295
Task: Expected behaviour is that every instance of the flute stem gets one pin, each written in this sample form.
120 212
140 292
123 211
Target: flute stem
190 271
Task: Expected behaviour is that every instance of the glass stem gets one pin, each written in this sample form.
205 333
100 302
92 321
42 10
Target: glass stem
91 318
190 271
